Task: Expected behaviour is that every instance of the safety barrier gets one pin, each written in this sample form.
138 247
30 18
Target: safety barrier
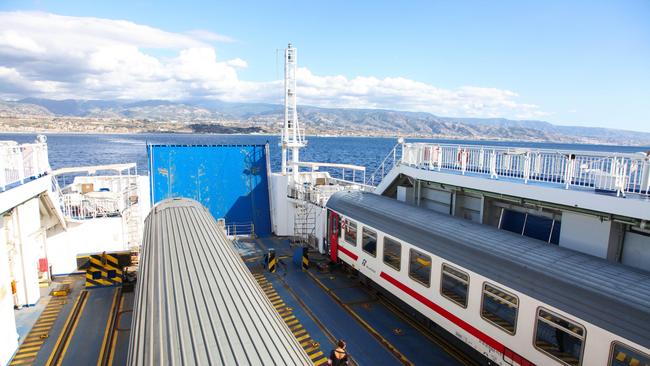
104 269
18 163
616 172
620 173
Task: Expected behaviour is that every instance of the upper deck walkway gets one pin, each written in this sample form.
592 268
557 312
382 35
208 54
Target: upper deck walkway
21 163
620 174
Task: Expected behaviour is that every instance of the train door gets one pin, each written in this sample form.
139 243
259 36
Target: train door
334 235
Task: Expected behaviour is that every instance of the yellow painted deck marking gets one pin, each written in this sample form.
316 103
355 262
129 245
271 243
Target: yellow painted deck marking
108 326
300 332
112 353
302 338
316 355
58 341
311 349
74 328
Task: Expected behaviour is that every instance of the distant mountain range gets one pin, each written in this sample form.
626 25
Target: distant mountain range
269 117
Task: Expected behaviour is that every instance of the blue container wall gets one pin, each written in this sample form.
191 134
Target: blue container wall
230 180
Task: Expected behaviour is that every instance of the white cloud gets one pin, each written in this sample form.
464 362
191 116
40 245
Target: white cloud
54 56
207 35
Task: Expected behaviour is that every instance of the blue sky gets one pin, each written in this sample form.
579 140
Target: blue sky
578 62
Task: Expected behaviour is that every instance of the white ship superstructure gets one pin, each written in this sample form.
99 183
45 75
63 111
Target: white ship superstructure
597 203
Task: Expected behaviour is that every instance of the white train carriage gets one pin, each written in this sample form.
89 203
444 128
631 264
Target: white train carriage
516 300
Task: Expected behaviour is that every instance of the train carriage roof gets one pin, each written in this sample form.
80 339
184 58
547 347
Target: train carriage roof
609 295
196 302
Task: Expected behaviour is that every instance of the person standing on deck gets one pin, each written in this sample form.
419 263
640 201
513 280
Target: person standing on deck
338 356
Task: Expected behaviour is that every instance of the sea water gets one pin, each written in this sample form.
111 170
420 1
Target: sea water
67 150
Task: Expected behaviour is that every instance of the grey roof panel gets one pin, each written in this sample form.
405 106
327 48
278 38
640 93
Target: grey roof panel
196 303
610 295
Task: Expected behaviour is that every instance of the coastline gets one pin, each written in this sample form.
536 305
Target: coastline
443 139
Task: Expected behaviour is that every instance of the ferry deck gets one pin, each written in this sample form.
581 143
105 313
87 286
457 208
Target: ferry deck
320 307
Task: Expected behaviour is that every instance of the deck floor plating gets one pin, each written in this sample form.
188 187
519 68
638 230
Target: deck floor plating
86 341
319 302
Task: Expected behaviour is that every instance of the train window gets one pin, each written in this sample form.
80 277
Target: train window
454 285
369 241
420 267
350 232
559 338
499 307
622 355
392 253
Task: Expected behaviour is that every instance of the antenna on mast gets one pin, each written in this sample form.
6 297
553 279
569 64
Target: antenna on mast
292 137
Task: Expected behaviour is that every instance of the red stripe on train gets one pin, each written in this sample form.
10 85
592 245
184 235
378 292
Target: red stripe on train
456 320
348 253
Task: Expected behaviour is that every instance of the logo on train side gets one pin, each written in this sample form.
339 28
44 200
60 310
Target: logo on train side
364 263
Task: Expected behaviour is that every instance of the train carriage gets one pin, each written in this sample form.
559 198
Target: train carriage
516 300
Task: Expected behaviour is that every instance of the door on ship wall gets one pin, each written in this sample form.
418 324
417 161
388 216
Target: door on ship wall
333 224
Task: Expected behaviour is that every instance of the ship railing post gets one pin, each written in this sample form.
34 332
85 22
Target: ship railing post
3 168
645 174
568 170
526 167
20 165
493 165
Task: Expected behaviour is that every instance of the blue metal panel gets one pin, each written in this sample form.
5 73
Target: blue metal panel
230 180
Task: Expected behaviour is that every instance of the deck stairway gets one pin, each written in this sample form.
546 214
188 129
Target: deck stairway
304 224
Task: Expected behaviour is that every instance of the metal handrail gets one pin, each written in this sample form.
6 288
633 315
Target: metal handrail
374 179
621 173
19 163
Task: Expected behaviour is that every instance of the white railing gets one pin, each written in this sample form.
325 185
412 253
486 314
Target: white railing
236 229
319 194
389 162
612 172
347 173
18 163
81 206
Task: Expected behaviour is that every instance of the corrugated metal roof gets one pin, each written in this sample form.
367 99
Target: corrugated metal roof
196 303
612 296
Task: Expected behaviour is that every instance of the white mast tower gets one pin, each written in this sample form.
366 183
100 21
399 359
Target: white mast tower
292 137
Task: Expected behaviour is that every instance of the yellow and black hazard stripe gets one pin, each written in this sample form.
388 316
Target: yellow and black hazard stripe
305 258
26 354
102 269
306 342
273 261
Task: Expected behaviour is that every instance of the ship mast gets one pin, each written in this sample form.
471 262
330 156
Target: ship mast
292 137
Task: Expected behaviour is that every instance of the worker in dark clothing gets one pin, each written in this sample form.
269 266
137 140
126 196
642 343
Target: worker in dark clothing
338 356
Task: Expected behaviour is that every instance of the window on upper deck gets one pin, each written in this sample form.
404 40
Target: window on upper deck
420 267
499 307
392 253
560 338
622 355
454 285
369 241
350 232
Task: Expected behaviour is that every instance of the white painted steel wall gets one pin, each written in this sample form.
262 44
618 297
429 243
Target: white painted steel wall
8 334
635 208
88 236
636 251
586 234
29 242
281 209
